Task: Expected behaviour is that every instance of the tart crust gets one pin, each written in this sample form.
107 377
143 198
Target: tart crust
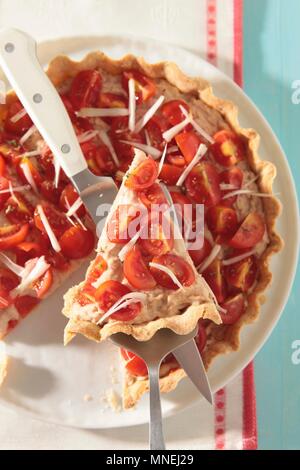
226 338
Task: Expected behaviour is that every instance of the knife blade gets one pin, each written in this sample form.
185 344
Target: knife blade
190 360
42 102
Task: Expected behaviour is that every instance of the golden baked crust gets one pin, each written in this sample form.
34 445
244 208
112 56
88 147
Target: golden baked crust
225 337
3 369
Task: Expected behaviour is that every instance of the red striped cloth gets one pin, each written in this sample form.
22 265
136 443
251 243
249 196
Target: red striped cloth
231 431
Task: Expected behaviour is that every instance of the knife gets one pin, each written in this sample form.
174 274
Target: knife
41 100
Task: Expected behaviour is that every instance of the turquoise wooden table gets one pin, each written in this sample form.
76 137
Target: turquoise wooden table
271 70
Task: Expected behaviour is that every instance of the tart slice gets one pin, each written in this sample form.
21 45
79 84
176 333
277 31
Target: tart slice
143 278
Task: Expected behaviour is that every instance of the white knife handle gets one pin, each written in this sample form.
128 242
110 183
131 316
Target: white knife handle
42 102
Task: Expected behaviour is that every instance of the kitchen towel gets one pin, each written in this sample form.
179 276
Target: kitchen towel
213 30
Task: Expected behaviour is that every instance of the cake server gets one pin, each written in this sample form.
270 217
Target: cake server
42 102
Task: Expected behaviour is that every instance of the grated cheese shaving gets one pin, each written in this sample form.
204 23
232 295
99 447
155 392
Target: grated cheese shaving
102 112
19 115
236 259
128 246
124 301
202 149
86 136
16 188
196 126
162 160
15 268
171 133
132 104
52 237
75 206
28 175
149 114
28 134
168 272
32 271
213 254
246 192
145 148
107 142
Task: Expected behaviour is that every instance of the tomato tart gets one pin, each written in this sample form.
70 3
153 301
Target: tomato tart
117 106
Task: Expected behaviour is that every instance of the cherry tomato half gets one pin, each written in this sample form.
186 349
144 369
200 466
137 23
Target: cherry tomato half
250 232
85 89
137 272
145 88
235 307
152 195
11 235
143 176
242 274
214 278
109 293
180 268
134 364
228 148
188 142
172 112
203 184
76 242
21 125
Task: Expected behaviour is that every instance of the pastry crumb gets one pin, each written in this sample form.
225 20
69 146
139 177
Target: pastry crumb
113 399
87 397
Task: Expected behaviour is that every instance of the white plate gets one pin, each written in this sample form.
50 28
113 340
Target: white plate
49 381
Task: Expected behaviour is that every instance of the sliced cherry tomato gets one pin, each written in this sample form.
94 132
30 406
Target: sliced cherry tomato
235 307
57 260
98 158
176 159
50 192
250 232
31 168
155 128
188 142
134 364
242 274
109 293
234 177
57 220
2 166
157 236
170 174
76 242
46 162
172 112
35 245
21 125
18 209
123 223
180 268
214 278
4 186
203 184
69 107
5 298
85 89
136 271
201 337
25 303
143 176
68 197
8 279
11 235
185 211
222 221
199 255
152 195
112 100
98 268
228 148
144 87
43 284
119 131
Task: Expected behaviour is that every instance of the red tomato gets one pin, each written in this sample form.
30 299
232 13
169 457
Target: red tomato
43 284
119 229
170 174
22 125
172 112
2 167
188 142
46 162
32 168
234 177
180 268
35 245
202 184
25 303
5 299
235 307
157 236
143 176
134 364
76 242
69 107
152 195
50 192
250 232
57 220
85 89
98 158
71 195
184 210
111 100
199 255
8 279
222 221
214 278
228 148
4 185
136 271
109 293
242 274
155 128
18 209
11 235
57 260
144 87
201 337
176 159
98 268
